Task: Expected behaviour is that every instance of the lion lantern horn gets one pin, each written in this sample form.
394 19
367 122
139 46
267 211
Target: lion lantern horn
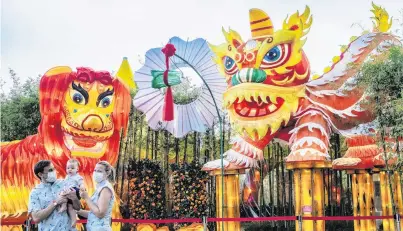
125 74
260 23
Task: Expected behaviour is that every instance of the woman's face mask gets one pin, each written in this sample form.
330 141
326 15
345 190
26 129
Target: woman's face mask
98 176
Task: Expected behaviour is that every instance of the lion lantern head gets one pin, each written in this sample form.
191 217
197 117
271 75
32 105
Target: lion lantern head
83 112
266 75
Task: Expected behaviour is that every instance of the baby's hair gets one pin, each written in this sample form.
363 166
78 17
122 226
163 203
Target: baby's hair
74 161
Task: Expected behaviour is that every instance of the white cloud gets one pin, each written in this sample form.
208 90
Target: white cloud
37 35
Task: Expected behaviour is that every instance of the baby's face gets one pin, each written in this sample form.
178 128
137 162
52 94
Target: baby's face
72 169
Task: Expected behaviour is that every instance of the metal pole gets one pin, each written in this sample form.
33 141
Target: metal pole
205 223
221 134
397 219
299 218
28 223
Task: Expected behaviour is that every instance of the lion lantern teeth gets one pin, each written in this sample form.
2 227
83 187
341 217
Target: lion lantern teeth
262 112
273 98
272 107
260 102
264 98
248 97
244 111
253 112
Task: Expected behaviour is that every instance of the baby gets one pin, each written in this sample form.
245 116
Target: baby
73 180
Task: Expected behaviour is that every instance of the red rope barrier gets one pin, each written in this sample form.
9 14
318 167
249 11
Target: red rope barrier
164 221
12 223
347 218
243 219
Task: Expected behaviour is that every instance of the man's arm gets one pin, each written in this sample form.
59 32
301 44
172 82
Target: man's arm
42 214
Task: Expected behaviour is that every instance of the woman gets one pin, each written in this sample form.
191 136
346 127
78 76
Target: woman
101 202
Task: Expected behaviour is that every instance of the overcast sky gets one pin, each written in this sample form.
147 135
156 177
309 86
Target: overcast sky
39 34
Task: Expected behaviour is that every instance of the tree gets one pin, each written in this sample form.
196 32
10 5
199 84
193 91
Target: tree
20 115
383 77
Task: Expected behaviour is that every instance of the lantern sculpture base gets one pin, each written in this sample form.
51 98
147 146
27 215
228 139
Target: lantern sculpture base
309 193
387 209
397 191
231 199
363 198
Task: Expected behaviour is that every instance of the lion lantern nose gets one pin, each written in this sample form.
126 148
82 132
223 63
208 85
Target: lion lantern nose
93 123
248 75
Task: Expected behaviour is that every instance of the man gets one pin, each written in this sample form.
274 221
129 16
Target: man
45 198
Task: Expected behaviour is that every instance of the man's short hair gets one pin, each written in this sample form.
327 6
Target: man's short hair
40 166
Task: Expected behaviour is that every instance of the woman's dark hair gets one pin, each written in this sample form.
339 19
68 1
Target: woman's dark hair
40 166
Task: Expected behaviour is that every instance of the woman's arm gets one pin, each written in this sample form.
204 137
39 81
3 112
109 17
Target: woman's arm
99 208
83 213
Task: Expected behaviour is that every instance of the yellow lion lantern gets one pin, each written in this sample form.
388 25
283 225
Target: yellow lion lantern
82 115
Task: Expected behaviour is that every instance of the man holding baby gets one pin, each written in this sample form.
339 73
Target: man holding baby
49 195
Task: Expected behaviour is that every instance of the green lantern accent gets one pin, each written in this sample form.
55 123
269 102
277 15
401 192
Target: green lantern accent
248 75
174 78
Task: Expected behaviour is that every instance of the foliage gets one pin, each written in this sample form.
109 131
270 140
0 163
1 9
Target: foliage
189 190
146 189
185 92
383 78
20 115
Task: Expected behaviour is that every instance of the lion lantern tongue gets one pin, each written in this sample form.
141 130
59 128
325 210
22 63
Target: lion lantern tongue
85 142
168 110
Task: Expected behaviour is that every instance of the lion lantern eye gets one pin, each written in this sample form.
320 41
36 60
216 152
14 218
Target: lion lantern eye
105 102
276 56
78 98
230 65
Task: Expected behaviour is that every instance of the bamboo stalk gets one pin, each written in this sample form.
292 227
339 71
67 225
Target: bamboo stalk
185 150
384 197
119 158
141 136
166 172
398 193
349 187
369 197
152 143
355 201
283 198
229 136
318 198
306 198
361 201
390 204
231 201
148 142
290 191
372 201
297 188
195 146
134 133
155 155
214 153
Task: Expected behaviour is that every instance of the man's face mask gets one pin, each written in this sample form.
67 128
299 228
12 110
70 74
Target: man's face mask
51 177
